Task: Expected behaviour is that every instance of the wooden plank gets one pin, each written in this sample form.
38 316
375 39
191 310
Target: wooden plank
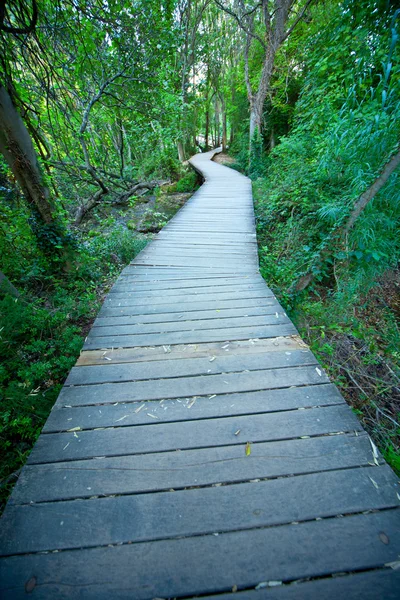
183 351
166 568
384 583
251 311
178 470
190 337
188 325
191 366
183 290
132 299
160 437
125 282
178 387
184 409
103 521
179 307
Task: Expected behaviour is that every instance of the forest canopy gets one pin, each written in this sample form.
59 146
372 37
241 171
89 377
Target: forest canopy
101 105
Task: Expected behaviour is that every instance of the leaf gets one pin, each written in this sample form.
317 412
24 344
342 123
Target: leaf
74 429
374 452
248 449
384 538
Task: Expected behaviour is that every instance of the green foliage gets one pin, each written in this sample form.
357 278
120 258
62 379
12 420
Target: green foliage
41 333
256 166
346 126
188 183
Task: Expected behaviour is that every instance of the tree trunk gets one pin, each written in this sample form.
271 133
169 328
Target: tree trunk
17 148
224 134
361 203
371 192
272 140
181 151
255 121
207 127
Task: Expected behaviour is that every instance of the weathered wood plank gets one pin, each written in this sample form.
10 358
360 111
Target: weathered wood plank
183 316
190 337
200 467
187 325
103 521
183 351
185 409
132 299
353 586
227 383
205 564
54 447
179 307
183 290
191 366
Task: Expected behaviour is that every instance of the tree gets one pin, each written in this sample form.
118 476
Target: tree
276 21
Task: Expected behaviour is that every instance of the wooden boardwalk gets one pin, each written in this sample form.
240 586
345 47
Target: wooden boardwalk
197 447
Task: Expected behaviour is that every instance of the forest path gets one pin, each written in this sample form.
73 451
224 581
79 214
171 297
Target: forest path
197 447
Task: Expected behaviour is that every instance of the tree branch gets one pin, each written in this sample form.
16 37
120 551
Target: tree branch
297 20
240 23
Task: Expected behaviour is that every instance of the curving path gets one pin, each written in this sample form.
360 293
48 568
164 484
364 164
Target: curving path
197 447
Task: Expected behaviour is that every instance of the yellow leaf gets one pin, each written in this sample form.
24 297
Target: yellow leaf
248 449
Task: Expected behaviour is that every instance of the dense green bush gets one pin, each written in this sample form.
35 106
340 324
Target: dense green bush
346 127
41 333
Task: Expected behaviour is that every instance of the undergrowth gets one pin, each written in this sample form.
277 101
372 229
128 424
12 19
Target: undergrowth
41 335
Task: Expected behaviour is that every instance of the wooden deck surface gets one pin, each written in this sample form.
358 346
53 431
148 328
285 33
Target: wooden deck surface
197 447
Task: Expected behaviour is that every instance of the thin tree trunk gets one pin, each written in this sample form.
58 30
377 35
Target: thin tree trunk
181 151
224 134
371 192
207 126
360 205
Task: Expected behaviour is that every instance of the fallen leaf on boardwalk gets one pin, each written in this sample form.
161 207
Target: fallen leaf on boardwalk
237 432
74 429
384 538
30 585
374 452
191 403
261 585
106 358
212 358
167 349
121 419
374 483
65 447
140 408
248 449
318 371
152 416
223 347
234 588
213 396
395 565
298 340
